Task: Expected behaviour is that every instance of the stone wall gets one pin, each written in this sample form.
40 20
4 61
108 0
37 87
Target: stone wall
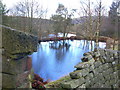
16 65
98 69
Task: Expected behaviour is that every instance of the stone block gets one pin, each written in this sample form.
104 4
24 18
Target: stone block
87 78
86 54
82 65
96 54
102 52
115 68
107 59
79 73
24 85
76 74
22 78
112 59
118 82
97 64
116 86
82 86
85 72
90 75
111 76
88 84
110 70
100 76
92 67
106 66
115 63
8 81
115 54
95 79
96 85
112 81
105 73
86 58
73 83
102 86
92 53
96 71
102 60
107 77
107 84
14 81
29 63
111 54
99 69
92 61
89 57
14 66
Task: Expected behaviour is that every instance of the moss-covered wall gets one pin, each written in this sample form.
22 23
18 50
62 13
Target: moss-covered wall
16 65
16 43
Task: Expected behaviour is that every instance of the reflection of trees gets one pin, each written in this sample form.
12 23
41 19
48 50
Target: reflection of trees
59 45
88 45
61 49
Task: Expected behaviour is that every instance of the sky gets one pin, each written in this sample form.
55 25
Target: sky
52 5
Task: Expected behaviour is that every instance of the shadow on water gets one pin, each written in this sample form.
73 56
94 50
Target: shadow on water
54 60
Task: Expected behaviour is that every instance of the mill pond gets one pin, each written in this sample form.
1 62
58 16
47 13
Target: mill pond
52 61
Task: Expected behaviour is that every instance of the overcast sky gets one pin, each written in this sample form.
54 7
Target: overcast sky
53 4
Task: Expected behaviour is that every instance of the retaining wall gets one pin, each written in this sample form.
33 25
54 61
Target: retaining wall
98 69
16 65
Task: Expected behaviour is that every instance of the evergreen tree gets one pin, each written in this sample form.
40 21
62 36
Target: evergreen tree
3 9
113 11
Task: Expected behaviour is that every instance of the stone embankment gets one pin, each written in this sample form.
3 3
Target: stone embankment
101 38
16 65
98 69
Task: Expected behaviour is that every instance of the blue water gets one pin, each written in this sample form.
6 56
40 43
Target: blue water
51 63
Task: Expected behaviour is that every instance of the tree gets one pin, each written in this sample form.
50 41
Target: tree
91 20
62 19
114 17
113 11
29 9
58 23
3 12
98 11
3 9
67 15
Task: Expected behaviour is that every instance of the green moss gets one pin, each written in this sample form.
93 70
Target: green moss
56 84
118 65
17 42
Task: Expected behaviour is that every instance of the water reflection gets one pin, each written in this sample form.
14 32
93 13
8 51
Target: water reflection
54 60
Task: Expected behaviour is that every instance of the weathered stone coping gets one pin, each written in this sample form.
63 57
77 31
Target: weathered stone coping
2 26
16 44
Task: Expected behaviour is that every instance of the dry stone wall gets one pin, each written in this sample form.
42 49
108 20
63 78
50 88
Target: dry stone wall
16 65
98 69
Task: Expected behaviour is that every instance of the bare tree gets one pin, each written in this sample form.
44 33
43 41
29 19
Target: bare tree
98 11
29 9
91 20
